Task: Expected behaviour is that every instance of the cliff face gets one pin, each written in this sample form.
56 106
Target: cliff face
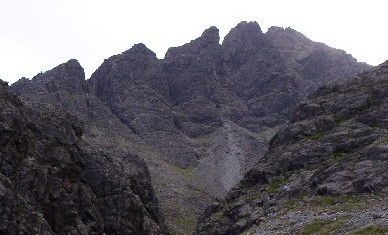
324 172
59 177
200 117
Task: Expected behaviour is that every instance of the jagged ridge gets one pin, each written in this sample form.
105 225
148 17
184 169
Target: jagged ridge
202 110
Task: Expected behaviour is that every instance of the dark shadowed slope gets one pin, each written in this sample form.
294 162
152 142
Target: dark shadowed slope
58 178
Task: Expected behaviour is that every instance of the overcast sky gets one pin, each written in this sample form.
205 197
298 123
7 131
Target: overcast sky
37 35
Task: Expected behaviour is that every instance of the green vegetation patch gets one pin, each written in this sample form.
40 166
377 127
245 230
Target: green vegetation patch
371 230
322 227
316 136
382 141
286 224
203 139
217 216
337 155
339 118
250 230
251 196
38 218
296 201
268 134
338 202
276 183
345 202
21 210
188 172
186 223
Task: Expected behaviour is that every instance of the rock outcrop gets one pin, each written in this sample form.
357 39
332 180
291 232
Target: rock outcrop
202 116
324 172
57 177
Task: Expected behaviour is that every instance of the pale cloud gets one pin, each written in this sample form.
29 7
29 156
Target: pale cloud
38 35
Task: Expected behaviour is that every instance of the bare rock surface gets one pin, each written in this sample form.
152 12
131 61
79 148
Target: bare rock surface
201 117
55 180
325 172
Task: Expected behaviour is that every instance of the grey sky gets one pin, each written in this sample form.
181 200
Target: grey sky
37 35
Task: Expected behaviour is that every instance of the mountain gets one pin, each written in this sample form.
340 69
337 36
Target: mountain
56 179
325 172
202 116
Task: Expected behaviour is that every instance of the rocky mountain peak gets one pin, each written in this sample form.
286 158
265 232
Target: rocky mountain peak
244 32
211 35
279 30
384 65
247 29
205 45
69 76
287 35
3 83
124 70
243 42
6 94
72 69
141 49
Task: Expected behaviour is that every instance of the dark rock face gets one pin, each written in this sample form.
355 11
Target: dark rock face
201 117
194 68
56 179
315 62
331 159
253 79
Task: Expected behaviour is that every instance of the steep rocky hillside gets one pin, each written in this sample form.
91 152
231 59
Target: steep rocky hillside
200 117
324 173
56 180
